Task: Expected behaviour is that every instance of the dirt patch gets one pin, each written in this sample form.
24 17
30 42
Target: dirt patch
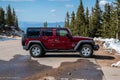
104 57
81 69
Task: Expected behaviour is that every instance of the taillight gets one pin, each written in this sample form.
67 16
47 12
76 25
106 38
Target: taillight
26 41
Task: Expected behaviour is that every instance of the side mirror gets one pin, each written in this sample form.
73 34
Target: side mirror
68 35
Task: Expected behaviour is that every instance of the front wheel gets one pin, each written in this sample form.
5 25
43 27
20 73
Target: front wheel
36 51
86 51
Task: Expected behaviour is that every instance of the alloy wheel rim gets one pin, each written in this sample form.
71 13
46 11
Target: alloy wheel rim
36 51
86 51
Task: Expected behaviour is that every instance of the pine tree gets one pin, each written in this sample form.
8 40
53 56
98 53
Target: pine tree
16 24
105 31
9 16
67 21
87 22
112 22
2 18
45 24
14 18
80 20
117 12
72 24
91 32
96 20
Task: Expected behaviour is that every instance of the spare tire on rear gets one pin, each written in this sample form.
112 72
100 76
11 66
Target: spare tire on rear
24 36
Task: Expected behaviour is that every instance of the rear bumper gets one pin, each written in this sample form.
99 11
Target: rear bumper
96 47
25 47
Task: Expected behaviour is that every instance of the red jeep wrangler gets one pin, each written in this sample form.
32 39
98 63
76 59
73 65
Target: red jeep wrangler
41 40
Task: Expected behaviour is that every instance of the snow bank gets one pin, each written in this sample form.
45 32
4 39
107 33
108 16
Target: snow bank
18 33
5 38
117 64
110 43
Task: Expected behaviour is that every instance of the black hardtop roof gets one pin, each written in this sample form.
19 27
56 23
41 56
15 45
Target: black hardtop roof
45 28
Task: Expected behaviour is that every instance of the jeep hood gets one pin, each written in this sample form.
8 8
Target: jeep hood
78 38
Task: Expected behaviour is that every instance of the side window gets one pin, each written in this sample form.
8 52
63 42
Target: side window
61 32
33 33
47 32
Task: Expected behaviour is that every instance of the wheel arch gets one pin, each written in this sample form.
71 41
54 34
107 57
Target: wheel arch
83 42
36 42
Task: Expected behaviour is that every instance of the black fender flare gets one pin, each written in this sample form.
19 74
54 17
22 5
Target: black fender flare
35 42
91 42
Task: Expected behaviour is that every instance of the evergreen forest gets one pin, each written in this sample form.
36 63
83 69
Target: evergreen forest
99 22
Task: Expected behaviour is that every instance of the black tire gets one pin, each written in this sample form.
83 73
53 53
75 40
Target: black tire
86 51
36 51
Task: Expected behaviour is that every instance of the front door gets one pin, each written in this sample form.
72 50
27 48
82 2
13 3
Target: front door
63 42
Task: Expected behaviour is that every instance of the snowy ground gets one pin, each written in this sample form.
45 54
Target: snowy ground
111 44
6 38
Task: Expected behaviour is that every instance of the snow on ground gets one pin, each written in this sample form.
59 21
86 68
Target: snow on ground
117 64
110 43
5 38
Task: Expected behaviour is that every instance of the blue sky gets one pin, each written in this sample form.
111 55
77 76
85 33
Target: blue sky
46 10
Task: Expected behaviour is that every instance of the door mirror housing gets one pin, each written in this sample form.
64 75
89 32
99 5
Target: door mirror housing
69 36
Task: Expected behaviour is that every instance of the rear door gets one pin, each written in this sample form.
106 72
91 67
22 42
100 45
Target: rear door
47 38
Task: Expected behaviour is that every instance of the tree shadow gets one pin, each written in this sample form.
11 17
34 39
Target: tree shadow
103 57
55 55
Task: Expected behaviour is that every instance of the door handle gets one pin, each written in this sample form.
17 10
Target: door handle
57 39
45 38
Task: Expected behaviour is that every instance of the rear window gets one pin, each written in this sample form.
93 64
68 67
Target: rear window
33 33
47 32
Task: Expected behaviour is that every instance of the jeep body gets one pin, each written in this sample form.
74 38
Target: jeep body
41 40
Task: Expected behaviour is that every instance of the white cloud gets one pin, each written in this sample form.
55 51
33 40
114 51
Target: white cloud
69 5
52 10
17 0
103 2
59 0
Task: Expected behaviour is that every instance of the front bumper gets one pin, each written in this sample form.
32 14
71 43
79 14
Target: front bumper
96 47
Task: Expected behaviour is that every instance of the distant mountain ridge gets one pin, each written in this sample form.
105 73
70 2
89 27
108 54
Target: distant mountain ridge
24 25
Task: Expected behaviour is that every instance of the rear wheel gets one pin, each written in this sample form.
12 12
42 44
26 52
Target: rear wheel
86 50
36 51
